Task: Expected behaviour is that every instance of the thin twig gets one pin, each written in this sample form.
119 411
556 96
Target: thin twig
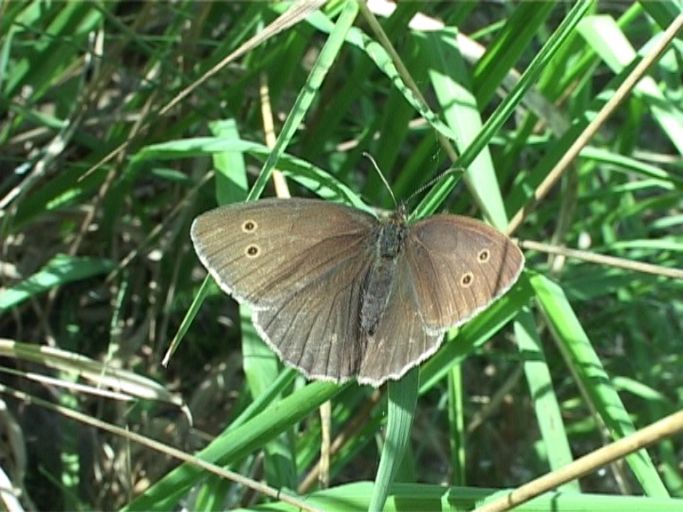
603 259
325 444
653 433
279 181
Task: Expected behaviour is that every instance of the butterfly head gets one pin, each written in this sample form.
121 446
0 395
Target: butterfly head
400 215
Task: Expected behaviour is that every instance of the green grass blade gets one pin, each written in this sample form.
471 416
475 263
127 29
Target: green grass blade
456 422
325 60
592 378
462 115
60 270
543 396
400 411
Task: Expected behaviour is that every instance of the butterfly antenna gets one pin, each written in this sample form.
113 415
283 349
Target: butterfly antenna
381 176
438 177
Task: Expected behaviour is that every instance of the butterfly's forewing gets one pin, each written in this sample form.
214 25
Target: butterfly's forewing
300 264
263 251
458 266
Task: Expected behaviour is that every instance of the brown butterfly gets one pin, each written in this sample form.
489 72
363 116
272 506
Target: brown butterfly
340 294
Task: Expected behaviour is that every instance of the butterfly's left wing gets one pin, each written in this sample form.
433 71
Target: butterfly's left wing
316 328
300 264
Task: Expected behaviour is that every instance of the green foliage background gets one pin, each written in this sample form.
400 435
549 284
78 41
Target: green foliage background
98 190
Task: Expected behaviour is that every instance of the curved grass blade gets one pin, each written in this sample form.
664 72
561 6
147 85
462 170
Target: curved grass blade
543 396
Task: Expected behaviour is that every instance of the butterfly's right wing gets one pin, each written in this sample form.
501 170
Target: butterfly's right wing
451 268
301 265
459 266
264 251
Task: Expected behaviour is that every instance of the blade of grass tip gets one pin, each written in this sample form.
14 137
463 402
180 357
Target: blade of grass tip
308 92
231 185
187 319
400 412
580 356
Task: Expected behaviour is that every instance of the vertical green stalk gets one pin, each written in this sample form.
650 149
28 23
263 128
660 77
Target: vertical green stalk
400 412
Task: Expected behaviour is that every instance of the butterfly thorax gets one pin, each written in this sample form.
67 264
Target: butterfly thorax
389 240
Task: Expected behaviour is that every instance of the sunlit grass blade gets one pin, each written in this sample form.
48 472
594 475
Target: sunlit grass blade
544 398
594 381
400 412
60 270
449 78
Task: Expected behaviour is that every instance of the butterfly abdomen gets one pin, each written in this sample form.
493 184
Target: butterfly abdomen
378 282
